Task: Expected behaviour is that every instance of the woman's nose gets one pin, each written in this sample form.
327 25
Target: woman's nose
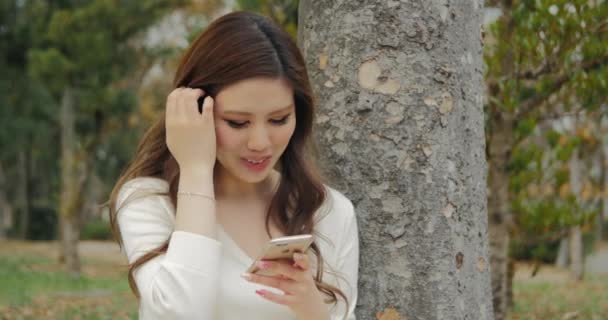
258 139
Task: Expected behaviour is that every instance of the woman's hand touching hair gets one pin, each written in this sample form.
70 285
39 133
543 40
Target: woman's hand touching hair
191 135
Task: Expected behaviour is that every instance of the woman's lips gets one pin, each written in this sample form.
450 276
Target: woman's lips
256 167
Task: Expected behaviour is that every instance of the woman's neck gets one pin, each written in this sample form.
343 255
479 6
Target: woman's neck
228 187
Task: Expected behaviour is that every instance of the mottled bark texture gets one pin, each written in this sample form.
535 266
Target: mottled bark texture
603 215
401 132
6 209
500 218
73 178
23 191
575 241
501 140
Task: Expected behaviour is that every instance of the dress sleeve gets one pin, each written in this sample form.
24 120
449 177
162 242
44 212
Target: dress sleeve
179 284
348 267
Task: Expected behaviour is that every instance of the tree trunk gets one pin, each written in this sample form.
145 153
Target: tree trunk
576 252
401 132
603 214
24 207
73 173
6 209
562 254
575 247
501 142
499 209
510 277
94 194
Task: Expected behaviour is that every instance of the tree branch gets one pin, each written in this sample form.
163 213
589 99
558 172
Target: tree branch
547 67
531 103
574 113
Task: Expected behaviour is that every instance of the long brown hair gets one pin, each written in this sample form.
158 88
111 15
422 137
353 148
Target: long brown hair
235 47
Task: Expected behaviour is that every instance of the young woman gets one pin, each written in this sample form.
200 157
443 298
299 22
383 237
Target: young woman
207 189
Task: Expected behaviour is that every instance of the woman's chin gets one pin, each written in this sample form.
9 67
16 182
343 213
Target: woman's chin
253 177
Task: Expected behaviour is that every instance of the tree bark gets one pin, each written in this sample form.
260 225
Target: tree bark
94 194
500 142
601 217
562 254
576 252
401 132
575 237
73 177
24 207
500 137
6 209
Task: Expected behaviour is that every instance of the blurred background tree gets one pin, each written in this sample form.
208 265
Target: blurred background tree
545 60
28 167
546 128
283 12
46 46
72 80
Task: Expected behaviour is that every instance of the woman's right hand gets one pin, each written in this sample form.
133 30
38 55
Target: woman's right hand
190 135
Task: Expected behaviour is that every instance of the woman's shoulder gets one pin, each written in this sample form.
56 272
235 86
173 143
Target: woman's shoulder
147 183
336 210
142 188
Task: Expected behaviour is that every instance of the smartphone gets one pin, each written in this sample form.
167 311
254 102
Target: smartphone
281 248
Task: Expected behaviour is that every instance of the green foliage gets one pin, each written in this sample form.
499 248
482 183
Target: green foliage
554 48
565 151
524 251
43 224
562 176
552 137
524 128
50 65
97 229
545 58
525 166
540 217
89 46
95 35
283 12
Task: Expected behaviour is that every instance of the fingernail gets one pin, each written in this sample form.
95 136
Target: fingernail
263 264
246 276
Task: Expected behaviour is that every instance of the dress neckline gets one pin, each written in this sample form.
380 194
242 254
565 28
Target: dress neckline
227 240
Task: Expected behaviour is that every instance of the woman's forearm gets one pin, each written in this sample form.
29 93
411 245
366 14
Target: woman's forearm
195 210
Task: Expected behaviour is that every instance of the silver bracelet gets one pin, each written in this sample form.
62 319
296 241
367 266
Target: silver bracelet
195 194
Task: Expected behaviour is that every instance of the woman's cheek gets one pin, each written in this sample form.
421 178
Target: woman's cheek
225 137
285 134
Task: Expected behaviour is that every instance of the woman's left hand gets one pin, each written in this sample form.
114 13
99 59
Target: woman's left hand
296 281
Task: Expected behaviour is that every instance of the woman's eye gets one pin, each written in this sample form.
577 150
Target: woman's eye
280 121
240 125
236 124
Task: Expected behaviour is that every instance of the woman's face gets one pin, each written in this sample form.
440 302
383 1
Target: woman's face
254 121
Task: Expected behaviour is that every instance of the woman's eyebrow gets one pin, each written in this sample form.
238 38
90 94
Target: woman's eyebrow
249 113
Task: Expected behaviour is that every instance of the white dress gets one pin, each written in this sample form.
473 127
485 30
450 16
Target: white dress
199 277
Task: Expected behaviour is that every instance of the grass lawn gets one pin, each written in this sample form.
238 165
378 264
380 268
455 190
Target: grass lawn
553 294
33 286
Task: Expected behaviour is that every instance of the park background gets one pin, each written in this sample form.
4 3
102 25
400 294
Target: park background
82 80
